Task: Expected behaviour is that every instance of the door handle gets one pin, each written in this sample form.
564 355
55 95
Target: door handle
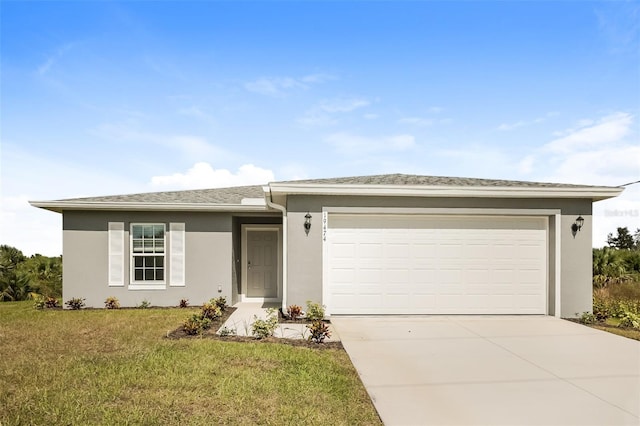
249 264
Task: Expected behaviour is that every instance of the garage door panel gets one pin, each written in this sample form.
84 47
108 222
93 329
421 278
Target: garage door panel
426 264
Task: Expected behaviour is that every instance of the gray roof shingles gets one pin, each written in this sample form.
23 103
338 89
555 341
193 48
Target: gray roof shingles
234 195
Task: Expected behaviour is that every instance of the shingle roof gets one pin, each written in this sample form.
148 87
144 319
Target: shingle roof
418 180
232 195
235 195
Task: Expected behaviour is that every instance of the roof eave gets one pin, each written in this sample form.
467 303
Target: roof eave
60 206
594 193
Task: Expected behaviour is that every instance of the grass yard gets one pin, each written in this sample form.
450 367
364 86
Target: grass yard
117 367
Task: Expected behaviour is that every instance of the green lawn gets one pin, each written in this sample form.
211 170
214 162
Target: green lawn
116 367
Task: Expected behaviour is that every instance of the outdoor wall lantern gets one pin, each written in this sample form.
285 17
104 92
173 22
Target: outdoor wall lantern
577 225
307 223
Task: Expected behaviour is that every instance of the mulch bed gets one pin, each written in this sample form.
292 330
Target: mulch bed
179 333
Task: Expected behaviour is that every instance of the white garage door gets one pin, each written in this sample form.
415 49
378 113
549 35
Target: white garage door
417 264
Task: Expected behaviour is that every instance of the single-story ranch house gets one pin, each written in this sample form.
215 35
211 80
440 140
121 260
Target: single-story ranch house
387 244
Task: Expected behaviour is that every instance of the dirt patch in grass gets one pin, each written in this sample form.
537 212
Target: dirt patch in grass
211 333
179 332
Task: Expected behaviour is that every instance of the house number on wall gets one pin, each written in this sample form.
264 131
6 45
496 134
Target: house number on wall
324 226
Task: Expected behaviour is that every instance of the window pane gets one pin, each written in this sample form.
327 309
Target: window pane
159 261
136 230
159 246
137 262
137 275
148 231
158 231
137 246
159 274
148 274
148 261
148 246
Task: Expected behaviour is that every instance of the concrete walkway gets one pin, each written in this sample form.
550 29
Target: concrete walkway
242 318
484 370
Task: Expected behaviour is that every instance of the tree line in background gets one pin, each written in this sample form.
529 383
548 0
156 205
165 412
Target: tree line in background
27 277
620 261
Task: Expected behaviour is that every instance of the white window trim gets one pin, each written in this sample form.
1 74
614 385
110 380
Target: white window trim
146 285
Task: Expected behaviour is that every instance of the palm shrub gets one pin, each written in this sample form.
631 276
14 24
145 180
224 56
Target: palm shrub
608 267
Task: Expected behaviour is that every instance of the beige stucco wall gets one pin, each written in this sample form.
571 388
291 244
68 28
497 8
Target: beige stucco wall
305 252
208 257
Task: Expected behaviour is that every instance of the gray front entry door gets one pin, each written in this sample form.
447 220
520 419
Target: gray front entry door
262 264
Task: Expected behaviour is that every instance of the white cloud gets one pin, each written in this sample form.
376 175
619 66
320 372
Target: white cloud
600 152
350 144
522 123
607 130
343 104
525 166
52 59
416 121
324 113
190 147
202 175
280 86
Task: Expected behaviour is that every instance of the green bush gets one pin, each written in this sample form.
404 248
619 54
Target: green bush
315 311
211 311
319 331
587 318
220 302
263 328
46 302
112 303
184 303
196 324
226 331
631 320
75 303
145 304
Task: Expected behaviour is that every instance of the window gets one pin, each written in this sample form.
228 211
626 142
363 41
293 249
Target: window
147 253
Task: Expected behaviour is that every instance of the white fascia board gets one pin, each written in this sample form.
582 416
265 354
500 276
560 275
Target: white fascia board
595 193
59 206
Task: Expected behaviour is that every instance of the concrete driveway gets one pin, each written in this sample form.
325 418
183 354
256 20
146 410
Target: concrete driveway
490 370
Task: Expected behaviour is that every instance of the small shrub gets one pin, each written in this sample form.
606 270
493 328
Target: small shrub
587 318
196 324
220 302
319 331
601 309
145 304
225 331
112 303
263 328
184 303
315 311
630 320
294 312
48 303
211 311
75 303
39 303
51 303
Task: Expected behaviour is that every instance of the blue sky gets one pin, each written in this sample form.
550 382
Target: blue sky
105 97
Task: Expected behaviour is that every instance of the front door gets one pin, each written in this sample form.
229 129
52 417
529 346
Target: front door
262 263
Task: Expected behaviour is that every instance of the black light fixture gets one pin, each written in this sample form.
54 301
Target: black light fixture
577 225
307 223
